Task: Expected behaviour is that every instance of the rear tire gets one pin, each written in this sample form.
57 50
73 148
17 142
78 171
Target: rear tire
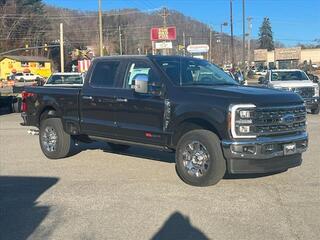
199 158
55 143
118 147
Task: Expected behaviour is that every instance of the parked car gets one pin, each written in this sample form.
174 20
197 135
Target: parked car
173 103
65 79
238 76
297 81
26 77
261 72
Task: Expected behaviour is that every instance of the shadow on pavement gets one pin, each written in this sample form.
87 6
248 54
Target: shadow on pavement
134 151
177 227
19 213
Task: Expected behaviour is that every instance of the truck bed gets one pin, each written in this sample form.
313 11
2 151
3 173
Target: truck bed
63 99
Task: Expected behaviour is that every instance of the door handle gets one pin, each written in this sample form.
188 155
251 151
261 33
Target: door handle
122 100
87 97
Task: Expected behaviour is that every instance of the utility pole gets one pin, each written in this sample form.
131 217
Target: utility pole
210 45
184 43
190 40
249 39
120 40
164 16
231 28
61 48
243 36
100 29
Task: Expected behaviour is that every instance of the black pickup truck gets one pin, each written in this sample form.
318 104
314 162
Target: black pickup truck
175 103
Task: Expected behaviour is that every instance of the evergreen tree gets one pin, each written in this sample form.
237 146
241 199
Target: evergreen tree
266 35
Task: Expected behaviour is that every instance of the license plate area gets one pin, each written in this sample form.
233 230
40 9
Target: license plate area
289 149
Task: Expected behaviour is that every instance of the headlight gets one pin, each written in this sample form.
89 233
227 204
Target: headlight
241 120
316 90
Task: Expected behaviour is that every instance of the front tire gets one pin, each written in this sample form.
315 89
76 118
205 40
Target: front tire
54 141
199 158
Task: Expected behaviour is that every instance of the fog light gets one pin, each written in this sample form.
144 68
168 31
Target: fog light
249 149
244 129
269 148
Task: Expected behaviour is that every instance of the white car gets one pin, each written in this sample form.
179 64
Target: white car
69 79
26 77
261 72
297 81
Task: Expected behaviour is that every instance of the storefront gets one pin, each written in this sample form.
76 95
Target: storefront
13 64
282 58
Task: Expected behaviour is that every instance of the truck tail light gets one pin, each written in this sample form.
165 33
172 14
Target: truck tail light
25 95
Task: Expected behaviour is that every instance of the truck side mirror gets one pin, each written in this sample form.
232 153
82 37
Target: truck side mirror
140 83
315 79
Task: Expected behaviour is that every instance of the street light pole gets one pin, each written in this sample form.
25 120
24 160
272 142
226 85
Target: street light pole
222 53
249 39
243 36
231 29
61 49
100 29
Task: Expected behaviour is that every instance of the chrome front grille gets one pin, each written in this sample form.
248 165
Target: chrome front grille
279 120
305 92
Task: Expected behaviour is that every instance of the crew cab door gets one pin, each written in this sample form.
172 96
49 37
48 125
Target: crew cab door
139 116
97 99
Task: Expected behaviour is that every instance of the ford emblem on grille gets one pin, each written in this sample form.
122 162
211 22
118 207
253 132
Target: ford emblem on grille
287 119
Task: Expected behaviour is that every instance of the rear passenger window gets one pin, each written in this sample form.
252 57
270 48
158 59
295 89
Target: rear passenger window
104 74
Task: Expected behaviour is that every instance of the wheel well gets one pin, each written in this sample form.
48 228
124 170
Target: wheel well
47 112
192 124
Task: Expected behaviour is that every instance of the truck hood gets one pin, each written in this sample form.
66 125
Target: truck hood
292 84
260 96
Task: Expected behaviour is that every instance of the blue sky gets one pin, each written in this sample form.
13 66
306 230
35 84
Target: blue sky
293 21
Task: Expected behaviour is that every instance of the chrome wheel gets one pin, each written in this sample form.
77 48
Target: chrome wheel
195 159
49 139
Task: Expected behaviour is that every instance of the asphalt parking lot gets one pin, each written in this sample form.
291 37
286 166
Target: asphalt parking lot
97 194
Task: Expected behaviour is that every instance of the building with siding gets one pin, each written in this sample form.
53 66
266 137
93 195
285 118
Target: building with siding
34 64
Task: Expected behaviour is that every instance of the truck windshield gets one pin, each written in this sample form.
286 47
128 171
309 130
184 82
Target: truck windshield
65 79
289 76
187 72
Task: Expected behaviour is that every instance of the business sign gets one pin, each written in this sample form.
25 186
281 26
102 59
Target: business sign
260 55
163 45
198 48
164 33
287 53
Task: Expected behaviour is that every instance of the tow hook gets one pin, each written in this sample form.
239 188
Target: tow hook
33 131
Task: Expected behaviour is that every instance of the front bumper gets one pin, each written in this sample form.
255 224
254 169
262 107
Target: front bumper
311 103
266 155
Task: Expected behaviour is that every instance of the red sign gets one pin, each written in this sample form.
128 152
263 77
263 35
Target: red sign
83 65
160 34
